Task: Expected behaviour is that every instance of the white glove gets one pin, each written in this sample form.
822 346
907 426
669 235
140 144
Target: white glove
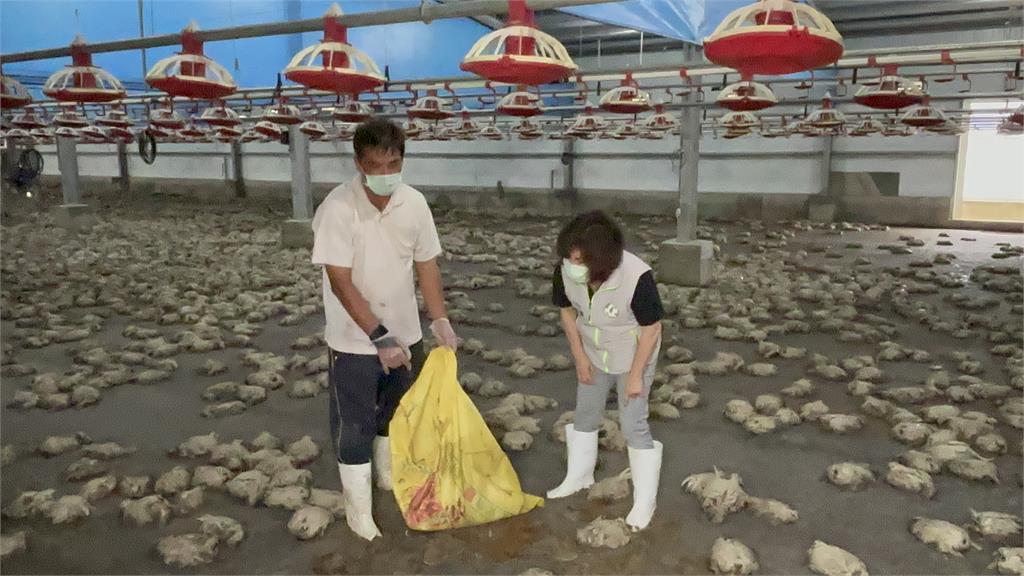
444 333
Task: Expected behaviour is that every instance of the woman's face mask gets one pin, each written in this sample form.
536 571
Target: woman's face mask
579 273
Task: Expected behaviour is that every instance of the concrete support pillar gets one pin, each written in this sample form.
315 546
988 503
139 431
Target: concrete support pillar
686 260
122 170
72 214
822 208
236 165
569 166
67 163
298 232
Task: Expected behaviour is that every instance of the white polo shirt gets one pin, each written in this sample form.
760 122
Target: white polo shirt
380 248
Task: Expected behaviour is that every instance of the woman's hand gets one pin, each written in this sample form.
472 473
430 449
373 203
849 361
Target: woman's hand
634 387
584 370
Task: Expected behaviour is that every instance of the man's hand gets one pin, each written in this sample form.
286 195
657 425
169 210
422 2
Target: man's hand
391 352
584 370
445 334
394 357
634 387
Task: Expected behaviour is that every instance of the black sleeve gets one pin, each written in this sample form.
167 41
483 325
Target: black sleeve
558 297
646 302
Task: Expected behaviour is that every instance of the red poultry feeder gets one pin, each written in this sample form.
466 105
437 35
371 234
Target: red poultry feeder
660 121
413 128
774 132
268 129
947 128
746 95
430 107
120 134
652 134
93 134
866 127
530 135
166 118
491 132
894 129
526 126
227 133
1017 116
115 118
250 135
13 94
159 131
282 113
521 104
465 125
733 133
19 135
190 73
313 129
519 53
923 115
587 123
28 120
738 121
353 111
190 131
892 92
1009 127
826 117
628 130
81 81
626 98
440 133
220 116
42 135
333 64
70 118
67 132
773 37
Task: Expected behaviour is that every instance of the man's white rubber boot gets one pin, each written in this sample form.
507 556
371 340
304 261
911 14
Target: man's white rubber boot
355 483
582 458
382 462
645 468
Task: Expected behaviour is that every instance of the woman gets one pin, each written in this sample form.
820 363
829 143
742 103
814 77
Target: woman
611 314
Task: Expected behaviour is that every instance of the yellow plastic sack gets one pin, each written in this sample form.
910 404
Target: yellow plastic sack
447 469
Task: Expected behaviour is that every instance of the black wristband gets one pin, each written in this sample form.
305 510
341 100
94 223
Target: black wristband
379 332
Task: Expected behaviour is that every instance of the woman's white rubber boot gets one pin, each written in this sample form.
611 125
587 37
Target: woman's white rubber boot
582 458
355 484
645 468
382 462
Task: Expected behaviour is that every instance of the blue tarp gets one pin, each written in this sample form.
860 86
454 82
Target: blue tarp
686 20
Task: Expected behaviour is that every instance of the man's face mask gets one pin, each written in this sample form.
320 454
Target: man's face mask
383 184
579 273
382 170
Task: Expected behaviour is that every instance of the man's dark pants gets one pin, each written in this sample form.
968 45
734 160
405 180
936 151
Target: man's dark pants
364 399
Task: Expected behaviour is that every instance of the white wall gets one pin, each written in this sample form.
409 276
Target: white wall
752 165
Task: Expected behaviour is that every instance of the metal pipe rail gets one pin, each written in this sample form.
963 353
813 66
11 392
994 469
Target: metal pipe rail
426 12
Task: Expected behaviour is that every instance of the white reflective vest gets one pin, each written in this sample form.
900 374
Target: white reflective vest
606 323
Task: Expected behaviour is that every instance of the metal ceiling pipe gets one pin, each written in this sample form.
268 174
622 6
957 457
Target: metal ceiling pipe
919 22
424 13
298 92
843 15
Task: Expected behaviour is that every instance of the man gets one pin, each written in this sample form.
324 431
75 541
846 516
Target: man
370 235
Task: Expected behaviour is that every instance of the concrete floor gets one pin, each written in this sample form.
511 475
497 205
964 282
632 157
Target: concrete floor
787 465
